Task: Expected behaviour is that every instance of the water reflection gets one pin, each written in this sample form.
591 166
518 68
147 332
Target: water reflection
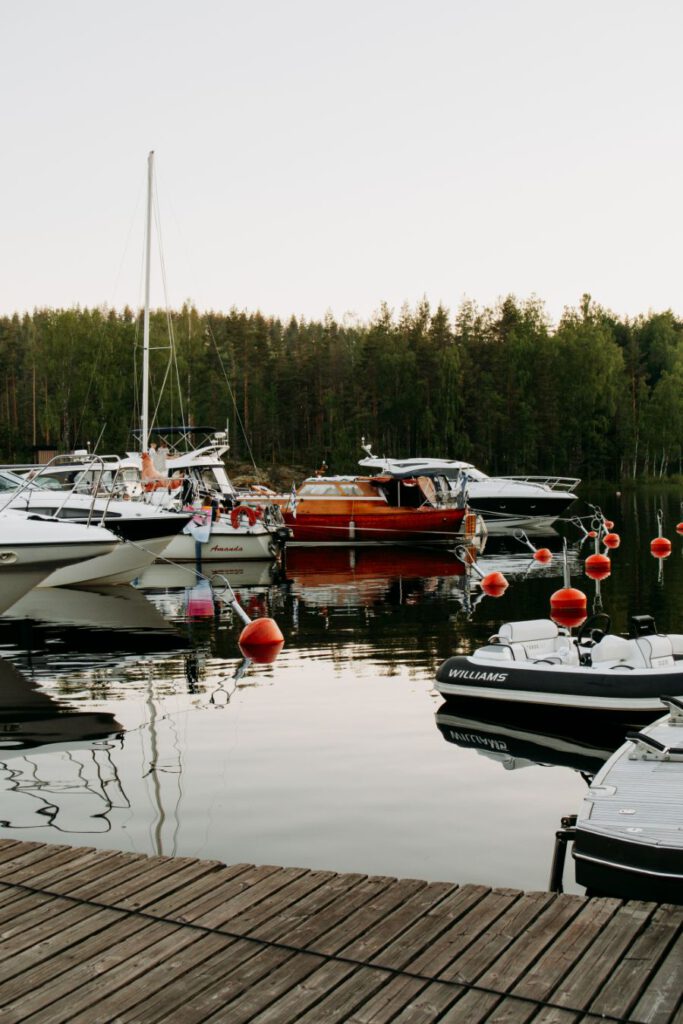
57 768
521 736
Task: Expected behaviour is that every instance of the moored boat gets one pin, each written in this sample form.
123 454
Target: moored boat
537 662
32 549
503 502
386 509
628 841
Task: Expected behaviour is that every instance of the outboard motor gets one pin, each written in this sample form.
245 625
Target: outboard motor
642 625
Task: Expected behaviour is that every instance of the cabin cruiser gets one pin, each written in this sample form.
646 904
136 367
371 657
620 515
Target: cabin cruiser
537 662
503 501
146 531
32 549
394 507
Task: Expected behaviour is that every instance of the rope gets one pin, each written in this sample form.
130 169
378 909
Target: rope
392 972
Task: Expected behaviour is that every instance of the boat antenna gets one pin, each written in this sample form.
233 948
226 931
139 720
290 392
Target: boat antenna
144 434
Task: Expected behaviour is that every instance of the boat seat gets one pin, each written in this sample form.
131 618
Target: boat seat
537 640
656 650
613 651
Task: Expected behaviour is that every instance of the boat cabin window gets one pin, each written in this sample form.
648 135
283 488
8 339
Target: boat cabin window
351 490
317 490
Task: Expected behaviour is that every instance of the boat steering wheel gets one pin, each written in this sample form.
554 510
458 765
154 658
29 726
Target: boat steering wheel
591 631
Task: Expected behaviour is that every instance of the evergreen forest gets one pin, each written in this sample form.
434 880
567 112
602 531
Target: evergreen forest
596 395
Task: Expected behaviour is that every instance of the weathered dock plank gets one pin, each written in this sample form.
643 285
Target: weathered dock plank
93 937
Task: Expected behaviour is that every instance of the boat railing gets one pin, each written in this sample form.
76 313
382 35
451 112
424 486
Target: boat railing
555 483
97 464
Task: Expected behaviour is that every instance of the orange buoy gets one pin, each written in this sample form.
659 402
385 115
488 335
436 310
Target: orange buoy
261 632
679 528
592 533
609 525
543 555
660 547
598 566
262 654
568 607
494 584
611 540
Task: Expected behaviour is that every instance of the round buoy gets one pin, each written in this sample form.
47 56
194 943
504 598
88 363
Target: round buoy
260 632
543 555
568 607
611 540
494 584
598 566
592 533
679 528
609 525
660 547
262 654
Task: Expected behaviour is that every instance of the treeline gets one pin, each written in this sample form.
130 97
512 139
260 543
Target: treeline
597 395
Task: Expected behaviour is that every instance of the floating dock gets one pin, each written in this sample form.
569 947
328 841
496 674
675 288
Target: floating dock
89 936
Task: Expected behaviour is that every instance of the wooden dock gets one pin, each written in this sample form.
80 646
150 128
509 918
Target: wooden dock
91 936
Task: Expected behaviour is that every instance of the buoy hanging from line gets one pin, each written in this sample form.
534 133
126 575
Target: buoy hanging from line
542 555
493 584
568 605
660 547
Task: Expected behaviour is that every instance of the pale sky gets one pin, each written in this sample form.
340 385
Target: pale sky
318 155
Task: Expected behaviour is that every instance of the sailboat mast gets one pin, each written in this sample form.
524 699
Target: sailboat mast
144 439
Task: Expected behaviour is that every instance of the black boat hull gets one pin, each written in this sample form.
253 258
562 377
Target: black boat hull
559 685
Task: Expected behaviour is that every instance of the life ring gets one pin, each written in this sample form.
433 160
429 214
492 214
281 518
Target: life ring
243 510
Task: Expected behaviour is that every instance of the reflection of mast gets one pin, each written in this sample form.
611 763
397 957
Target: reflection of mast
156 832
38 790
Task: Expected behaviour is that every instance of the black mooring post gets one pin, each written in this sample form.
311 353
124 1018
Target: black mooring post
563 836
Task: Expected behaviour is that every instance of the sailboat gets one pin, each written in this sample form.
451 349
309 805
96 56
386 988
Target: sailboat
243 532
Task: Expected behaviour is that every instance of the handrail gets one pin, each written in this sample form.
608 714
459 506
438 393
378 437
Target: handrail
30 484
554 482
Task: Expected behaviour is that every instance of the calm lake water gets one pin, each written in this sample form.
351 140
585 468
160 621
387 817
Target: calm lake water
129 720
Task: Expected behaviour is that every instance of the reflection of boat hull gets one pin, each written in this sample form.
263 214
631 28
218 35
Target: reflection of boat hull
628 840
577 739
421 526
250 573
559 685
119 608
29 717
336 576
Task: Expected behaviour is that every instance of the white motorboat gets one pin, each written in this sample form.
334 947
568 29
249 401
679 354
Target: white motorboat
503 501
537 662
32 549
147 531
628 841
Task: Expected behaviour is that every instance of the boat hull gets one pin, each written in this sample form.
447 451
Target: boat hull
559 685
509 512
121 566
628 841
224 545
424 526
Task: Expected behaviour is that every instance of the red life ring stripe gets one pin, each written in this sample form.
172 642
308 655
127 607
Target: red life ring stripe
243 510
